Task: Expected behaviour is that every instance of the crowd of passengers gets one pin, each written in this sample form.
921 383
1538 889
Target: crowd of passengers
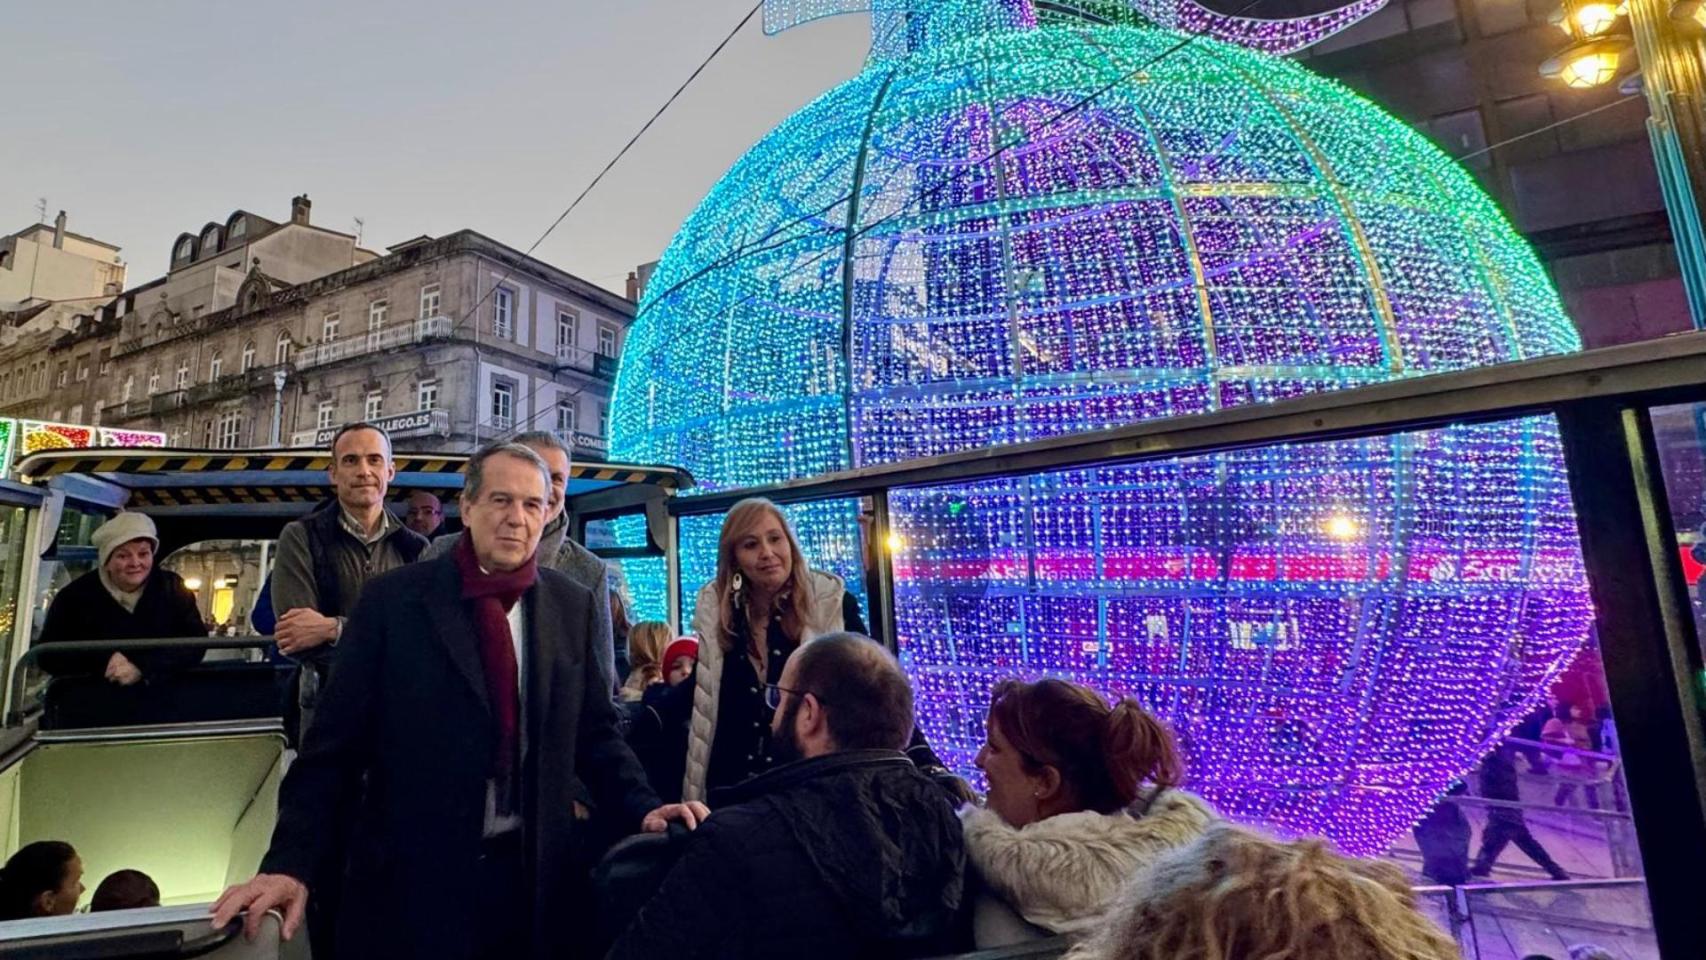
474 780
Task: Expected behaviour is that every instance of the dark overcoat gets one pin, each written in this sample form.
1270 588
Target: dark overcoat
401 748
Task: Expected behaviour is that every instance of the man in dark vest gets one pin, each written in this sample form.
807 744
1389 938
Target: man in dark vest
324 561
325 558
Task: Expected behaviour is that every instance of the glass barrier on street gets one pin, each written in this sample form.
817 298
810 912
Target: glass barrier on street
1512 921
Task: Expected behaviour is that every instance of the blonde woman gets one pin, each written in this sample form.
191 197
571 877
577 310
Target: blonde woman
1236 893
765 601
646 643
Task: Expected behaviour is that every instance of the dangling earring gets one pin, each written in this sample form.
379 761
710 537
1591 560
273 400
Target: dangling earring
736 583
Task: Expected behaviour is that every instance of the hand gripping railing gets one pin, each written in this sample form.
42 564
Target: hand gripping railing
27 663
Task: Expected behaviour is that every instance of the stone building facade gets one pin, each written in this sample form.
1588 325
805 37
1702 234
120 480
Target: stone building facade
448 342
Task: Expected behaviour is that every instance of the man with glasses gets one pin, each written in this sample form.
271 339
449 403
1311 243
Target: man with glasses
844 849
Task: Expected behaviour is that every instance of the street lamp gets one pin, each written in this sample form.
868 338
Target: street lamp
1586 18
1662 42
1591 63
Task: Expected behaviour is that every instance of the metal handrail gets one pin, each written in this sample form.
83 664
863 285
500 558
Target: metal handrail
1553 885
27 663
1559 748
1649 372
1540 807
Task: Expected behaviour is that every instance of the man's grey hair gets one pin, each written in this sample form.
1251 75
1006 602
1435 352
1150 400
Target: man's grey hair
475 474
543 440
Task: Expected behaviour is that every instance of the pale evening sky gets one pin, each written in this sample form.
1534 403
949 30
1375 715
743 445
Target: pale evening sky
146 118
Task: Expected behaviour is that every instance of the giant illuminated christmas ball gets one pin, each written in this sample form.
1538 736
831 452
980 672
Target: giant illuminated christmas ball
1012 226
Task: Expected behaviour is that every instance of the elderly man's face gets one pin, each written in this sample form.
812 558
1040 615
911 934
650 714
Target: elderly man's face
507 515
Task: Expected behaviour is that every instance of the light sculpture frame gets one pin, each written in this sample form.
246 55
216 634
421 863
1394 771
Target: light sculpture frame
1016 224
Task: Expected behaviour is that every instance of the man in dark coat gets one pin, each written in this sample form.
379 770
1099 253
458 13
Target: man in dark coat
1506 825
465 703
847 851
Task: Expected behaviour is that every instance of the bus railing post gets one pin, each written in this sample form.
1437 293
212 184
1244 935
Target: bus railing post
1652 658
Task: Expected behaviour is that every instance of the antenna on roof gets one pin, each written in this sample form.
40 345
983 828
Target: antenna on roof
360 224
41 210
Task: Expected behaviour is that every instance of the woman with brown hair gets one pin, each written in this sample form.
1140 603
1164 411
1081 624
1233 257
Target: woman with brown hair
1081 796
1236 893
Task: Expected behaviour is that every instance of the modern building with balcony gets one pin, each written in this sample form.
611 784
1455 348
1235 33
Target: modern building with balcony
448 343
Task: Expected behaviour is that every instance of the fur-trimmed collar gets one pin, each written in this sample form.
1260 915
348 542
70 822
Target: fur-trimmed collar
1063 873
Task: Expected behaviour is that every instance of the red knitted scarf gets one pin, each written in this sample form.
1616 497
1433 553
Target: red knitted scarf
490 597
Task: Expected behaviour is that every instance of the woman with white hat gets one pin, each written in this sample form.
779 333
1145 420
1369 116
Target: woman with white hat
126 597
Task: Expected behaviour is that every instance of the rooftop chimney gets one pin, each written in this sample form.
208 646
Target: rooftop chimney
633 286
59 231
299 207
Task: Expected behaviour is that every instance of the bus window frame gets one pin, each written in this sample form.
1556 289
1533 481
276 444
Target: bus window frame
1602 401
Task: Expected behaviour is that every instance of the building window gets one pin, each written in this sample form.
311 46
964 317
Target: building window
606 340
503 313
100 405
376 312
129 388
426 395
215 366
239 229
375 406
82 370
323 416
429 301
185 248
566 420
604 419
229 435
64 375
329 328
154 381
183 380
281 350
503 404
77 413
105 362
210 240
568 334
248 356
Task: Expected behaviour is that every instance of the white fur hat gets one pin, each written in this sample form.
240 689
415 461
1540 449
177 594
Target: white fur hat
122 529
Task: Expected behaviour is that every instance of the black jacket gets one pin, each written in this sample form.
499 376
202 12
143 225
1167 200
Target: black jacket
399 753
850 855
84 610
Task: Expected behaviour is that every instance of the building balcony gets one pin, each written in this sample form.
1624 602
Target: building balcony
237 384
399 335
159 403
598 364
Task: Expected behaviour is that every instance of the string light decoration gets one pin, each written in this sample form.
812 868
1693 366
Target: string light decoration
1044 226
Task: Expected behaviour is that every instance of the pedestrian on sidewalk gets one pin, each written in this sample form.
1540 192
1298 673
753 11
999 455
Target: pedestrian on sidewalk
1505 825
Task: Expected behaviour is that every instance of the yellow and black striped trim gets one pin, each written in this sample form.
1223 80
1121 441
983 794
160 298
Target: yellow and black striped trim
45 465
